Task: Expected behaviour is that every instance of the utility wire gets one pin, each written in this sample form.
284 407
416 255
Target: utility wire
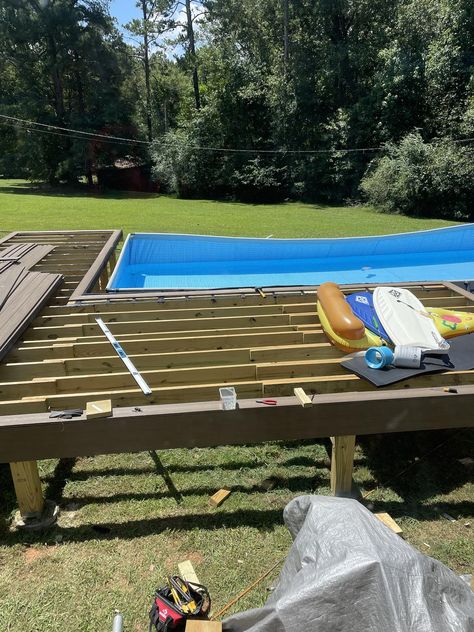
74 131
64 135
131 141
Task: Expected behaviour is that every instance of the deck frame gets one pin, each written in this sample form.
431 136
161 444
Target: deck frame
266 343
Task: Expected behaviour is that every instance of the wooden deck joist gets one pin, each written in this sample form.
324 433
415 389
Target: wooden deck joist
188 348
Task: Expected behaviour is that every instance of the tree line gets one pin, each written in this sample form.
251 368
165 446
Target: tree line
253 99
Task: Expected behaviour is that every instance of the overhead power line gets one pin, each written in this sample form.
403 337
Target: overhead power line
81 135
90 135
62 134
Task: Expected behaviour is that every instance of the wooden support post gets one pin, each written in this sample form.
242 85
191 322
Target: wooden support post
27 488
103 279
342 463
112 262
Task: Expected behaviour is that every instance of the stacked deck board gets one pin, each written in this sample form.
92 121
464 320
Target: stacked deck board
22 292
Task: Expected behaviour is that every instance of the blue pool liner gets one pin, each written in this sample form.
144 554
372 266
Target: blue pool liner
154 261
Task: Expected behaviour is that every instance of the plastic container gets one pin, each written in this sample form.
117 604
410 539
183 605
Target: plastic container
228 397
408 357
402 356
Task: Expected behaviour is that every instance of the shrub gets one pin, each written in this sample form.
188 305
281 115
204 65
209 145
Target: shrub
423 179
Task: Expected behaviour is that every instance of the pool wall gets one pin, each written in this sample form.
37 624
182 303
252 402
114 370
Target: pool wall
177 261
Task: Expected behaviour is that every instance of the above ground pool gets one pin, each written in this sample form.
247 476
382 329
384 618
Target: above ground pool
160 261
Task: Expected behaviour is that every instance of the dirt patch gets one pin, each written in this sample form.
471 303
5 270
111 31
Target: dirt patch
31 554
194 557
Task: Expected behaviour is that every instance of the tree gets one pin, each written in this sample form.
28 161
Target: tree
149 27
69 63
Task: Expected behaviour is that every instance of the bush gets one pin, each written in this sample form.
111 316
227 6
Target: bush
422 179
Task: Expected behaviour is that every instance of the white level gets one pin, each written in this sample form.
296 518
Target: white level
124 357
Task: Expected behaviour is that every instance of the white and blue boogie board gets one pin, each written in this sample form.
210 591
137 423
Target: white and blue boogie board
362 304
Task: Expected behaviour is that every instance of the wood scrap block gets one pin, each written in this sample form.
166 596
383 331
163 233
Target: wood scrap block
187 572
195 625
219 497
303 399
389 522
100 408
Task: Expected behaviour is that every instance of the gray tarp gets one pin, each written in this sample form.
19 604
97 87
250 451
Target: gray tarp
347 572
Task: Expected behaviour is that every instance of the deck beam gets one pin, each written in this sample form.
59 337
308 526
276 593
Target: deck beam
204 424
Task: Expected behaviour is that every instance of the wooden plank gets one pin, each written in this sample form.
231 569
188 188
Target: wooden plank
204 424
72 315
458 290
186 571
157 344
27 485
195 625
219 497
173 333
100 263
154 326
303 399
23 305
389 522
342 464
246 291
69 392
99 408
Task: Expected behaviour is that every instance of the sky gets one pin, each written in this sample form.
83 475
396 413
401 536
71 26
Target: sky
124 11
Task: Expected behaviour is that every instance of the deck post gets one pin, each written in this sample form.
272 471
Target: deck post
342 464
34 511
27 488
103 279
112 262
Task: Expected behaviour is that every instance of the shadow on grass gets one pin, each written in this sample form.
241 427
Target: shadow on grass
32 188
425 512
297 484
57 482
261 519
29 188
7 496
301 461
418 466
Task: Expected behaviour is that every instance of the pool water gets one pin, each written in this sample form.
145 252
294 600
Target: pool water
167 261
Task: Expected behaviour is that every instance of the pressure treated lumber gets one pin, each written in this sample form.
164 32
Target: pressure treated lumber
219 497
186 571
342 465
27 485
194 625
99 408
389 522
302 397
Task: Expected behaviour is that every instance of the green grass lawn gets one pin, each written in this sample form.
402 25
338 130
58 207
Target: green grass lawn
25 207
122 527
